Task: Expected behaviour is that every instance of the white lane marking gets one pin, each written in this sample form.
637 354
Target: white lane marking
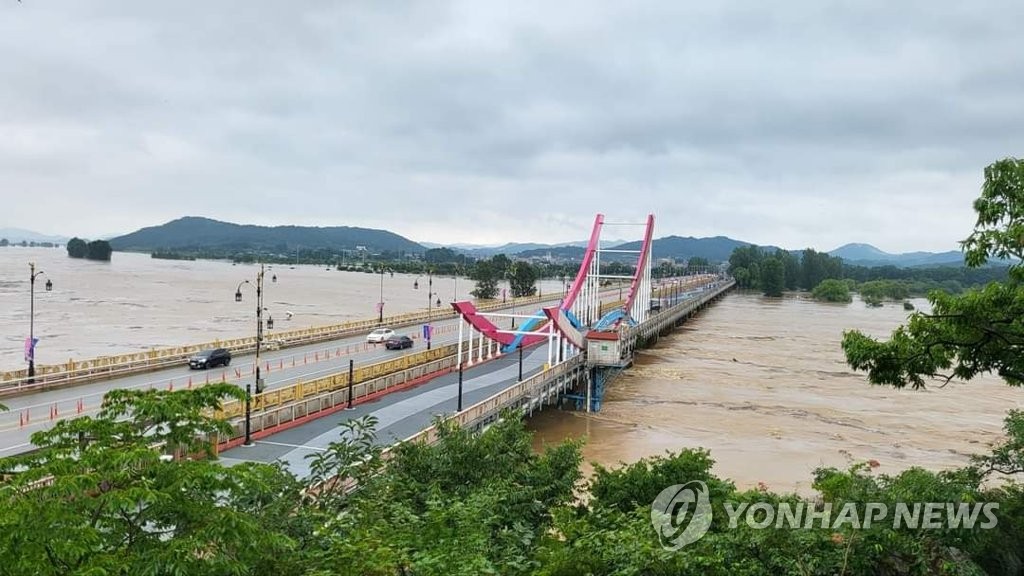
16 446
295 446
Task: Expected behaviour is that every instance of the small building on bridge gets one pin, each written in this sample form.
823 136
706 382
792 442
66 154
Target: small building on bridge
604 348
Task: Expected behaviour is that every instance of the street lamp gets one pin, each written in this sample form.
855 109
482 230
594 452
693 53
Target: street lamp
259 340
380 303
511 267
31 347
458 270
430 302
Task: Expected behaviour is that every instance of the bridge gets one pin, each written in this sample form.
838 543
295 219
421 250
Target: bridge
563 351
563 355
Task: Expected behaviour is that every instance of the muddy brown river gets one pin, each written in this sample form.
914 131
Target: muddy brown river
762 384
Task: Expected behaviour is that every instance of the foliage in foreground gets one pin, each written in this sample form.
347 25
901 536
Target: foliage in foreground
99 499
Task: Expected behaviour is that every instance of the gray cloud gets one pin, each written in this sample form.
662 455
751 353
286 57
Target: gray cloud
800 124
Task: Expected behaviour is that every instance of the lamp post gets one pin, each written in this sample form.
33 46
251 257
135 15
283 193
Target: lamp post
430 302
520 361
380 303
32 318
512 267
459 407
458 270
259 340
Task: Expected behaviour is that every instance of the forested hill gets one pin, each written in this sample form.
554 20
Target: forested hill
194 233
715 249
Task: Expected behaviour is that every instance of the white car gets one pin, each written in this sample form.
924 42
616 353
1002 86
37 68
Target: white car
380 335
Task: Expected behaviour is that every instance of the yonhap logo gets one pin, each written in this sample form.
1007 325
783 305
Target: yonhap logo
681 514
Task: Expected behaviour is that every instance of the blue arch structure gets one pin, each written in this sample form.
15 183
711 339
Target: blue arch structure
532 323
611 318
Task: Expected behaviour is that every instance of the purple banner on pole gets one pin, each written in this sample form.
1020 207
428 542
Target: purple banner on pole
30 348
428 331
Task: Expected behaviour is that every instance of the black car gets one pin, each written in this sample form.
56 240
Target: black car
210 358
398 342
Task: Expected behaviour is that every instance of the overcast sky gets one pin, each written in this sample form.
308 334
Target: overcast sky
798 123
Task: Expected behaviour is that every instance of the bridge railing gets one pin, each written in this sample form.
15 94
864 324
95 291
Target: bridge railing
485 409
658 321
76 372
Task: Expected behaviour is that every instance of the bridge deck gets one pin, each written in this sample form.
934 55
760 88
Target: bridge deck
399 414
404 413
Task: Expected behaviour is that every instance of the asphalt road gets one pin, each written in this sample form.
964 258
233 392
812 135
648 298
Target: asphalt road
399 414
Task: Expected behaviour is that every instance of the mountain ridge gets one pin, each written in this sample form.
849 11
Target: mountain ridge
196 232
868 255
18 234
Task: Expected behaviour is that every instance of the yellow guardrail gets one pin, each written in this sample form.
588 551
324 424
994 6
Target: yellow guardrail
300 390
158 358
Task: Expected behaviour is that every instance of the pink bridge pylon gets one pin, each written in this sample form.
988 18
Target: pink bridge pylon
580 304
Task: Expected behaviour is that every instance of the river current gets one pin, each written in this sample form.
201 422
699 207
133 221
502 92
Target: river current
763 385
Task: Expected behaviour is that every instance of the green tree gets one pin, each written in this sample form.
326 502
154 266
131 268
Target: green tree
773 277
4 243
742 276
747 258
791 268
981 330
471 503
832 290
873 293
98 250
98 497
523 279
486 276
442 256
694 265
77 248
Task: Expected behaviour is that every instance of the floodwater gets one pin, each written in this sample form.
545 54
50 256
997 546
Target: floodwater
762 384
135 303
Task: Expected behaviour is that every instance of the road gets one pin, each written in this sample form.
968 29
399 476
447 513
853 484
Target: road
399 414
41 410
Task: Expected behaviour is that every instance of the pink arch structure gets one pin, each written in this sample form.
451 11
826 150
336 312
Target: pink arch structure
582 298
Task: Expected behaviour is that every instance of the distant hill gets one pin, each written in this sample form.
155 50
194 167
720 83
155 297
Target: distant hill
18 234
192 232
868 255
573 253
528 249
715 249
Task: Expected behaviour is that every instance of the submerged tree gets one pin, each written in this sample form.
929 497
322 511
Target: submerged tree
981 330
832 290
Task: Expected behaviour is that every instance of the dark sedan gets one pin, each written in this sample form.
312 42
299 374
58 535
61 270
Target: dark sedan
398 342
210 358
